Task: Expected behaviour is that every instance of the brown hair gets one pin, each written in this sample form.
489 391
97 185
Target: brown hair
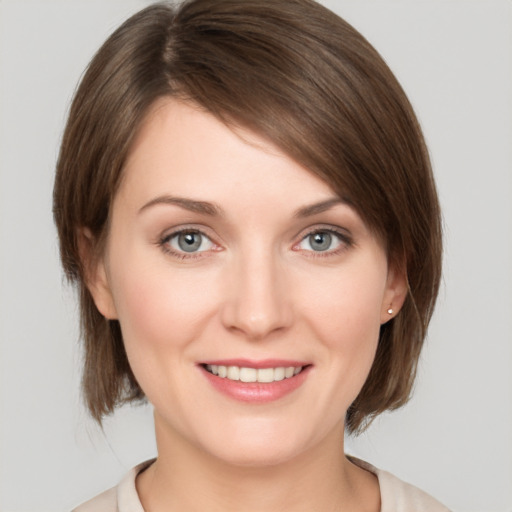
293 72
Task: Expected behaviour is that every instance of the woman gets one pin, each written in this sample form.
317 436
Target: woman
245 201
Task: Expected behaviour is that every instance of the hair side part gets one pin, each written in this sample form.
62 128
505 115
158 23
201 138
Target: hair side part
297 74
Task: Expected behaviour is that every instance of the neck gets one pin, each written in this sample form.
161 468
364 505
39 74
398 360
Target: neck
186 478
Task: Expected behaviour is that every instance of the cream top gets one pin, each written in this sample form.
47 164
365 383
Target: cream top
395 495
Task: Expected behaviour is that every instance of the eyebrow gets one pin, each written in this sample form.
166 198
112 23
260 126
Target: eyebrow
212 209
314 209
192 205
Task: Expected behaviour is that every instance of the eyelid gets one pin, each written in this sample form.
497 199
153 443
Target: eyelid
168 235
205 244
343 234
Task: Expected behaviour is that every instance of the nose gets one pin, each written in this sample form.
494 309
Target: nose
258 301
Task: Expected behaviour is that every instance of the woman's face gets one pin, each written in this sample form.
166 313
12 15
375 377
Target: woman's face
227 260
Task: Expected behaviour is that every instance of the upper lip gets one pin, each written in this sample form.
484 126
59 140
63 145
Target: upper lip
251 363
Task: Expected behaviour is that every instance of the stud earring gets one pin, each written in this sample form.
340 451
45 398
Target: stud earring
390 310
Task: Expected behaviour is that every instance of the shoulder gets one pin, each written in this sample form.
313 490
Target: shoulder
104 502
399 496
122 498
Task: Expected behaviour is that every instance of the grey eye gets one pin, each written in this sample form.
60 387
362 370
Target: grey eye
320 241
190 241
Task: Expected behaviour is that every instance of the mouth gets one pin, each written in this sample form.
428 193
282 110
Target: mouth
256 382
249 374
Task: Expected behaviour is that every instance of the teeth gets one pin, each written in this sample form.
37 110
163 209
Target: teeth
244 374
279 373
233 372
266 375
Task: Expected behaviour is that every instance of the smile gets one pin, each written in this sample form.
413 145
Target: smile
246 374
256 382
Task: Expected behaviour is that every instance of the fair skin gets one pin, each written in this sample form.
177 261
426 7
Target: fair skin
223 251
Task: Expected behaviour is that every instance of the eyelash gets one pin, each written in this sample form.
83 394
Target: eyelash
345 243
345 239
164 243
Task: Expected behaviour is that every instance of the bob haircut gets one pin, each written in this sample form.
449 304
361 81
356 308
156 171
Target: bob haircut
296 74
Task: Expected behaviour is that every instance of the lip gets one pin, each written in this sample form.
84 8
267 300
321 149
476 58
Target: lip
256 392
263 363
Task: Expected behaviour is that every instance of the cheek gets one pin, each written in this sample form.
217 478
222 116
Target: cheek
161 317
344 314
347 305
352 338
160 311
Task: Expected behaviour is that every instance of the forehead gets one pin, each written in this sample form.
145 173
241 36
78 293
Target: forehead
182 149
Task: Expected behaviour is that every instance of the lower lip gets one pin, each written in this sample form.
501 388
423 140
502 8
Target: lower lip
256 392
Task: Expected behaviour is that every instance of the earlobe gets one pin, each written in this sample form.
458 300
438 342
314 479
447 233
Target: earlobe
395 294
95 274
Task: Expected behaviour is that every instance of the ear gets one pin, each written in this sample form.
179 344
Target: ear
96 277
395 293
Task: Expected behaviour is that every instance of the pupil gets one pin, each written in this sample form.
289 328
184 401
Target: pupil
321 241
189 242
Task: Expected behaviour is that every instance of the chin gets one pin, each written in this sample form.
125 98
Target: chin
257 456
262 445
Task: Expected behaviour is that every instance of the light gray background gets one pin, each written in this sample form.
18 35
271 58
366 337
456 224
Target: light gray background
454 439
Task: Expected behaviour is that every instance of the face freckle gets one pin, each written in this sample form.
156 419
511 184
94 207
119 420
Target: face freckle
279 272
